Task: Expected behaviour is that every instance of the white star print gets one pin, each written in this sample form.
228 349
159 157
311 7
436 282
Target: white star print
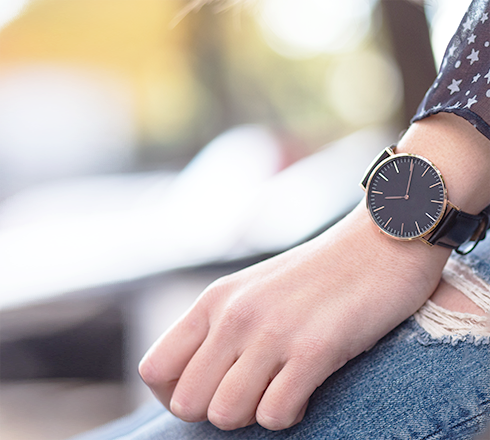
471 38
473 56
454 86
484 17
437 107
476 78
467 24
458 104
487 76
471 101
451 51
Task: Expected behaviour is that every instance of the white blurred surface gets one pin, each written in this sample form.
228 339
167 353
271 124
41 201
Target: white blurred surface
9 9
230 202
306 28
310 193
68 237
58 121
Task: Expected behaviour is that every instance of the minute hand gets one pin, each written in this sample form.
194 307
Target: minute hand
409 178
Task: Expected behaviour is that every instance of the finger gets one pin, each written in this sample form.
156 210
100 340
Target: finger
200 380
163 364
286 398
235 402
301 413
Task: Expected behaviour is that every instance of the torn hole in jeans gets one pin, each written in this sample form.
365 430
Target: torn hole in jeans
452 326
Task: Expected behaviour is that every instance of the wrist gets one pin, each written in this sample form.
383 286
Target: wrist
400 275
362 237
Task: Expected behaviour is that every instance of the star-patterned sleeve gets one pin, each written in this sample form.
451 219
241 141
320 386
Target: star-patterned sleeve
462 86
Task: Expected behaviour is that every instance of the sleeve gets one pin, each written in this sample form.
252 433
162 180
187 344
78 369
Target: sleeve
462 86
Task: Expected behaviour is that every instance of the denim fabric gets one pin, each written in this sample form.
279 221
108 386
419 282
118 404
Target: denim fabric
408 386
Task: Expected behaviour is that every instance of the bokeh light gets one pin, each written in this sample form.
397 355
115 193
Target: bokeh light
304 28
364 88
9 9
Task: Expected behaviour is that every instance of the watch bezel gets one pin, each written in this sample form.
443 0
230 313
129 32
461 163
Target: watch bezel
392 157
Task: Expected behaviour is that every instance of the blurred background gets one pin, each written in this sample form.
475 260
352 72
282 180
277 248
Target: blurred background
148 147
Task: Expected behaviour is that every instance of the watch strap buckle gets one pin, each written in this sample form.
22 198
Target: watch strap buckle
479 234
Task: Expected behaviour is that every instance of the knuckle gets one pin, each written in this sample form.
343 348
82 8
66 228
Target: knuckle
153 375
217 289
186 412
272 421
310 350
237 317
224 421
148 372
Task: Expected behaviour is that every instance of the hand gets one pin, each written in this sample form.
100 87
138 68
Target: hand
257 343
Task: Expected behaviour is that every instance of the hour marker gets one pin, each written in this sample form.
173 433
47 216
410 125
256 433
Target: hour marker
389 220
378 209
428 215
435 184
376 192
401 232
436 201
396 168
427 169
418 229
383 177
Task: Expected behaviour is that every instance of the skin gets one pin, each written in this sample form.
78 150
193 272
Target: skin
257 343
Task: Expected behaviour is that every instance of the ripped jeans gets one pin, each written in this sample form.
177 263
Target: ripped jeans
427 379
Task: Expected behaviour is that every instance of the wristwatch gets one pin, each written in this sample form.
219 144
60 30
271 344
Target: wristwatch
407 199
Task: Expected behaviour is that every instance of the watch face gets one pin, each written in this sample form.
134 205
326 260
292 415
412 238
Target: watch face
406 196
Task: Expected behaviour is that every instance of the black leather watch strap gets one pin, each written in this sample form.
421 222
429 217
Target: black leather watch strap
387 152
458 227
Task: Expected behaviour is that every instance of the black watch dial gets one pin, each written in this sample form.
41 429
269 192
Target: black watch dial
406 196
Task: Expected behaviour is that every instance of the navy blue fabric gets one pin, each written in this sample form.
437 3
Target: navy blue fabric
462 86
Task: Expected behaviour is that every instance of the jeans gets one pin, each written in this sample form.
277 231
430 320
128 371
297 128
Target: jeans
410 385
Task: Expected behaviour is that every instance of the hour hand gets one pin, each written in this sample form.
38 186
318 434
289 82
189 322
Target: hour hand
394 197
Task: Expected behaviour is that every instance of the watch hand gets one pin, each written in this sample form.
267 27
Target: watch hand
395 197
409 178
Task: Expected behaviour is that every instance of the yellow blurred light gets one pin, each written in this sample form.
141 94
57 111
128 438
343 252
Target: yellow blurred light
364 88
129 39
170 99
305 28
